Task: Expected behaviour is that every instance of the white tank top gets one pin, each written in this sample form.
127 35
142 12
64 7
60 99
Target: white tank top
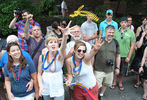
53 82
86 76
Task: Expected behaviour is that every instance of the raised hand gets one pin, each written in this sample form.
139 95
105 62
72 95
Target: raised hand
30 17
66 31
99 42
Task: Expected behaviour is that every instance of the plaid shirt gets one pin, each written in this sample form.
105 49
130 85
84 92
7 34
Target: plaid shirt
20 26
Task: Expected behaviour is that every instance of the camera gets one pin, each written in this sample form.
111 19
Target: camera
109 62
18 12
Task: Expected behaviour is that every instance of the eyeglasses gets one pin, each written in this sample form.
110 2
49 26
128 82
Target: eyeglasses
79 50
75 31
122 36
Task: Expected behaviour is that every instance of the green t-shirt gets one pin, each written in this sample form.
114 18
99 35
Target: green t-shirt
124 39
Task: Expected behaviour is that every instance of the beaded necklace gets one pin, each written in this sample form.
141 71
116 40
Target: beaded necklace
76 72
49 64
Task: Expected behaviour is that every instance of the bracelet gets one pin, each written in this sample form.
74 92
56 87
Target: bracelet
117 68
95 50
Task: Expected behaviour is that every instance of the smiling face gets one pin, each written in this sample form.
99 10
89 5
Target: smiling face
109 34
80 49
80 52
76 33
14 52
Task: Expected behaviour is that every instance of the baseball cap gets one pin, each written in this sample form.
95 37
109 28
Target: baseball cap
123 19
12 37
109 11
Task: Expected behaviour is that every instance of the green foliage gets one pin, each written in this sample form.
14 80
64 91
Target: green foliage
6 12
48 7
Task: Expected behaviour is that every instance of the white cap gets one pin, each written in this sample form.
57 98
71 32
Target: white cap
12 38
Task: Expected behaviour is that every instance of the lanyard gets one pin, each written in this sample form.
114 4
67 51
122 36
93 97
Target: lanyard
14 75
54 59
74 69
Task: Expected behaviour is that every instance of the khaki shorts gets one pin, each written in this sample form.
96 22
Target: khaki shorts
103 78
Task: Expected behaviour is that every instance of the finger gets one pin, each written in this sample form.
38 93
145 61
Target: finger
69 24
60 28
28 90
27 85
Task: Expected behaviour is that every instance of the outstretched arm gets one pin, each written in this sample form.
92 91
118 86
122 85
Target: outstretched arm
94 50
27 25
66 32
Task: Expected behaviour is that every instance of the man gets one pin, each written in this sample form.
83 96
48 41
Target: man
126 39
4 60
77 36
64 9
35 41
106 22
89 30
105 60
20 27
130 26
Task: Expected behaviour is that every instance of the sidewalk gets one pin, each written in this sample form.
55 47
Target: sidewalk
130 93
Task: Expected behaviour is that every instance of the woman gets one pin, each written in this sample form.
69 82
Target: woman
50 75
80 70
141 43
143 70
54 29
18 72
140 29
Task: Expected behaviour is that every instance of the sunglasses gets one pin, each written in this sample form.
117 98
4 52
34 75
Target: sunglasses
122 36
79 50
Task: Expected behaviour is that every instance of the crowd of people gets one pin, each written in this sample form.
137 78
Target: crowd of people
33 65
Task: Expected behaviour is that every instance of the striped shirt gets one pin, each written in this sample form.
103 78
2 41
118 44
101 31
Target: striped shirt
20 26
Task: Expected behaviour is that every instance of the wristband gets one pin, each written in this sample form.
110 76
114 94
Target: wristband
95 50
117 68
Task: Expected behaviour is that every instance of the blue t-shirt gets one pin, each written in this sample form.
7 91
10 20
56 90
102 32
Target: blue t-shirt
18 87
4 58
104 24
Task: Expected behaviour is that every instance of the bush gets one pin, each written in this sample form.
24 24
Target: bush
6 12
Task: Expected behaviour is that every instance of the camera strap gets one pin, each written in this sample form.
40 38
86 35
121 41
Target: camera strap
37 48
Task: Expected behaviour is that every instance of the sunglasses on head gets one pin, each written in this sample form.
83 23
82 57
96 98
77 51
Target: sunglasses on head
79 50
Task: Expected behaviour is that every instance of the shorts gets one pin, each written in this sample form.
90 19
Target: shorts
28 97
123 67
81 94
104 78
144 74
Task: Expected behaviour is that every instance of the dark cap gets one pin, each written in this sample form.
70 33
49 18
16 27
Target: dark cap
123 19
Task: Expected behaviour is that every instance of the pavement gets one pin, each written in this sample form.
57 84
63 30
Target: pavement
130 93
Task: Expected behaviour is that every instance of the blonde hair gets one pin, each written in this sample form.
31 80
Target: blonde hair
51 37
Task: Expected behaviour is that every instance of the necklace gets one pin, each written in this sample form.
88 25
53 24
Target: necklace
14 75
79 69
48 66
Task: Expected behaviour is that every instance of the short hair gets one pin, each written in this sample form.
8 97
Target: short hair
109 27
129 16
51 37
25 10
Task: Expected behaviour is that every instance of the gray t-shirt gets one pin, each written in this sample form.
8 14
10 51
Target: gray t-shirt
89 29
